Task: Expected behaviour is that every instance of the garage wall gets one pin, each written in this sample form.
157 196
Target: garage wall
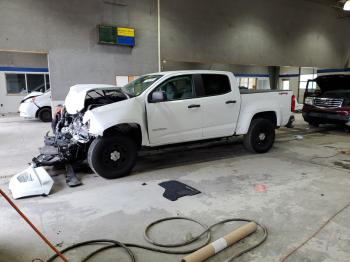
237 69
67 31
274 32
17 63
8 103
15 59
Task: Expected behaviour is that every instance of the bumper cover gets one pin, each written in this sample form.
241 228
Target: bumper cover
28 110
326 117
31 182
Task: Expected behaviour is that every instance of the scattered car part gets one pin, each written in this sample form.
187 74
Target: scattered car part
71 178
175 189
32 181
57 152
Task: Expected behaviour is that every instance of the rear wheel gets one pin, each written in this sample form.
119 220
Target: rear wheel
260 136
45 114
112 157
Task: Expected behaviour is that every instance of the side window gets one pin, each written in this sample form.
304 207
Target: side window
214 84
16 84
178 88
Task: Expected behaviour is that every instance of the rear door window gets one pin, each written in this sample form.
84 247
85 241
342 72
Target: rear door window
215 84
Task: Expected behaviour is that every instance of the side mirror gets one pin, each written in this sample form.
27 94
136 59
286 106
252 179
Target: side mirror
158 96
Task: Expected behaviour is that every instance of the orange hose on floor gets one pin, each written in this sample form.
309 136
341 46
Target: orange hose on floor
34 227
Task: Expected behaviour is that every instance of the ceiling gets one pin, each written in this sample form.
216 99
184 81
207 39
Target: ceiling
332 3
336 4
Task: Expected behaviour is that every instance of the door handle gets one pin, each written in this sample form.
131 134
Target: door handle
193 106
231 102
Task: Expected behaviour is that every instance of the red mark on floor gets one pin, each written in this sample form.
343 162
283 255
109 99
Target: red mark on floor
261 188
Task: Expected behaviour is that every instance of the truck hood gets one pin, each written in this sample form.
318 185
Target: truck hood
75 100
333 82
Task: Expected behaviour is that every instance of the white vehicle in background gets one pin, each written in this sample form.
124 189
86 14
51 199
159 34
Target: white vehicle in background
37 105
107 125
298 107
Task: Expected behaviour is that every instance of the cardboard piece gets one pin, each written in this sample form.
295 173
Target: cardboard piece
220 244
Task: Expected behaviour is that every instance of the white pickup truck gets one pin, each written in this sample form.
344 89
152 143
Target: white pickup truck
108 125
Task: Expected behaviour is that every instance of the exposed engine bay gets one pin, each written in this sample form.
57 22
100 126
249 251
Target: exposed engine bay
70 141
96 98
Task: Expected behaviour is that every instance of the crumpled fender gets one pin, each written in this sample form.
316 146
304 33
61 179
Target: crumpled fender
129 111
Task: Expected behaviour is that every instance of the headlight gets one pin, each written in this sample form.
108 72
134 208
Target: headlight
309 101
29 99
87 124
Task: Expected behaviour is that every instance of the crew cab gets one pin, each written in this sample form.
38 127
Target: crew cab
108 125
327 100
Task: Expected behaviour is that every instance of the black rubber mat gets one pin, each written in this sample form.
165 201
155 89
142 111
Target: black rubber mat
175 189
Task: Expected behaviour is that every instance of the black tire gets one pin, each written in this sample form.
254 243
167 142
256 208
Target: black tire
109 166
291 121
260 136
45 114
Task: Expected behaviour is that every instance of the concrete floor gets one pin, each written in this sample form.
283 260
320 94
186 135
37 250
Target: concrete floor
306 180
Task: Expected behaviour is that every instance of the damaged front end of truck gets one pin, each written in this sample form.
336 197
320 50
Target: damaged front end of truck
69 142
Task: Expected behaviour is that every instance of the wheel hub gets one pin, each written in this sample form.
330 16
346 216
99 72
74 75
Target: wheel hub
115 156
262 136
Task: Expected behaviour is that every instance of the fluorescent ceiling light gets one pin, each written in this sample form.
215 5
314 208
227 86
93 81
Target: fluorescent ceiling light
347 6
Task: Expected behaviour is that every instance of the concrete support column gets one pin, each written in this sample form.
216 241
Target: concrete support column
274 72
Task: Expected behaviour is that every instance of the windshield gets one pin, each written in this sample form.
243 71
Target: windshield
40 88
139 85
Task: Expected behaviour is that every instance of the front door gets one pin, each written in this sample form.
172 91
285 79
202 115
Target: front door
178 118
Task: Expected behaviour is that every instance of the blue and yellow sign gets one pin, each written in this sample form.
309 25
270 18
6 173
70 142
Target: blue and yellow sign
124 31
126 36
116 35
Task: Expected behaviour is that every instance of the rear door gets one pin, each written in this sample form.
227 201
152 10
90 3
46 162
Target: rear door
179 118
220 105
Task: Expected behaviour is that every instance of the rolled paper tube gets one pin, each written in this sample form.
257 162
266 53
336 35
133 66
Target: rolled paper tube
220 244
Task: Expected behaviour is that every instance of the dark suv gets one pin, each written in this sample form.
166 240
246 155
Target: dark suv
327 100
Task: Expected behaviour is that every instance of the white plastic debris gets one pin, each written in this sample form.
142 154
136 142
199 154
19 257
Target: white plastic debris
31 182
299 137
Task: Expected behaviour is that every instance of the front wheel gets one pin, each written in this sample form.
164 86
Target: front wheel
112 157
45 114
260 136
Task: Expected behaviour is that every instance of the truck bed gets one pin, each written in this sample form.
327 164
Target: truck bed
255 101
